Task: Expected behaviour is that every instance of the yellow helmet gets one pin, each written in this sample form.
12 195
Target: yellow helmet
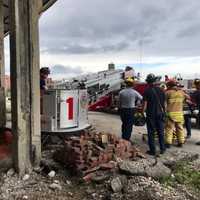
129 80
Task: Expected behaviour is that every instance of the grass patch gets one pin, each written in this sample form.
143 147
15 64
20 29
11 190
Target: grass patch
185 175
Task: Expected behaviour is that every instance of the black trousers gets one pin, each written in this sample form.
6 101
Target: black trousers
187 119
127 118
155 125
198 120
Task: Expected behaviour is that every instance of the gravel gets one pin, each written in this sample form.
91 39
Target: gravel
107 185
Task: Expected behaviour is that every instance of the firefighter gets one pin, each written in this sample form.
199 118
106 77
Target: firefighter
175 98
127 104
154 105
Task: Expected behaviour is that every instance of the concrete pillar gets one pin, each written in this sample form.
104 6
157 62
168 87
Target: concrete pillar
2 70
34 7
25 92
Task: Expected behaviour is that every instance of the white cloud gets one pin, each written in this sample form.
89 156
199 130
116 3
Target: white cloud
92 33
188 67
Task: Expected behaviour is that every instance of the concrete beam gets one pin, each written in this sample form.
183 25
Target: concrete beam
25 94
2 70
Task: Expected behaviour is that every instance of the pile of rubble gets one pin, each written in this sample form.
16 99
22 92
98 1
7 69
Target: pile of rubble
90 150
136 179
143 188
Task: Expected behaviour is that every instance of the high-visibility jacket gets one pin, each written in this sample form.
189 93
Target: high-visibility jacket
175 99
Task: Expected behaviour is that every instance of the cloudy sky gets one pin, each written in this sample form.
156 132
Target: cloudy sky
153 36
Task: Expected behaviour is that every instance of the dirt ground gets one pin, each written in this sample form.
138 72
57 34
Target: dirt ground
110 123
41 184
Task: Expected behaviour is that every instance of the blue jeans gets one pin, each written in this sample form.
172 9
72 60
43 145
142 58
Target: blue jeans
155 125
127 115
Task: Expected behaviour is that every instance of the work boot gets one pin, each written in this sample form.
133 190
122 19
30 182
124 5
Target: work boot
150 153
180 145
198 143
168 146
162 151
188 137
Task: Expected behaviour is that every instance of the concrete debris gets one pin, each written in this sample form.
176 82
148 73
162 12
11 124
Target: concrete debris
25 197
55 186
37 169
68 182
158 171
178 156
145 167
142 188
26 177
52 174
88 177
94 195
118 183
56 181
196 165
108 166
106 184
123 175
10 172
132 168
48 165
6 164
70 194
100 177
92 150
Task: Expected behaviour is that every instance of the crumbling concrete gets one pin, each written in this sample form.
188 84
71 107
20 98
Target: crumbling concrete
145 167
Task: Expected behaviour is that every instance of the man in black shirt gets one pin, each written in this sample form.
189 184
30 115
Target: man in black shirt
154 105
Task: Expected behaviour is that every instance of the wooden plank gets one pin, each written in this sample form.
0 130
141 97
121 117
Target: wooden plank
2 70
24 52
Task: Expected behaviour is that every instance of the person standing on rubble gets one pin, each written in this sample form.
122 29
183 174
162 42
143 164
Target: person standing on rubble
154 105
127 103
175 98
